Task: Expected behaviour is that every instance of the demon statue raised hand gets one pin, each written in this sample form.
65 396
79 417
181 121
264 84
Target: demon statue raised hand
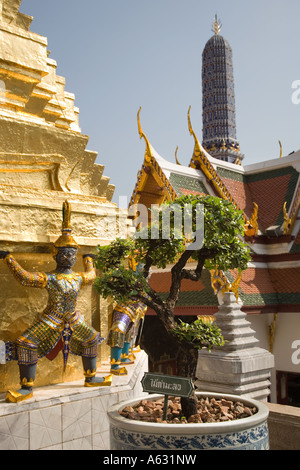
60 326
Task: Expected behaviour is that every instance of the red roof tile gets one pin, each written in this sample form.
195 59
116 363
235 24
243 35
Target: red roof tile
286 280
161 282
256 280
187 192
270 195
269 190
241 194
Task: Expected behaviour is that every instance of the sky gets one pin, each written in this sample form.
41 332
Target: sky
120 55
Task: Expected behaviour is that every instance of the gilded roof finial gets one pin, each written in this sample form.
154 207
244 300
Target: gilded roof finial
280 146
286 220
177 161
217 25
148 152
197 148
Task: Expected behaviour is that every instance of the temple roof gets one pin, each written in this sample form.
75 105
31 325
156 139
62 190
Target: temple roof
271 282
269 188
261 290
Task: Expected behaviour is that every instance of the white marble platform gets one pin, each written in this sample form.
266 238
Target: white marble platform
68 416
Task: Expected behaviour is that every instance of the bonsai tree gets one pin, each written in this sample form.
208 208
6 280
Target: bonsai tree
203 229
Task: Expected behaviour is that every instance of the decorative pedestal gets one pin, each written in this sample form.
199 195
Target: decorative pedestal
240 367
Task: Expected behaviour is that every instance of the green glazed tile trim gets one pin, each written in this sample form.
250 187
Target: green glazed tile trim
289 170
259 299
186 182
232 175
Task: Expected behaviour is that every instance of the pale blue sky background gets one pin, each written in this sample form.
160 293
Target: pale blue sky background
118 55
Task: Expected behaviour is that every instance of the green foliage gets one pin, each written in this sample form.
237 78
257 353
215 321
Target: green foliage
223 229
222 245
118 280
222 248
110 257
200 333
161 251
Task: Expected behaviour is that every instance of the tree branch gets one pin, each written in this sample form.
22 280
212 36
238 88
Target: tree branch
176 273
179 272
154 301
194 274
148 258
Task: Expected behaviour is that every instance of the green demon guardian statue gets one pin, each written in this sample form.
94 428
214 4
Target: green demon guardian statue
60 326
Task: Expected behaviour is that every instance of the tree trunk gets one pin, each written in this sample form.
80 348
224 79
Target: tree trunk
186 358
187 364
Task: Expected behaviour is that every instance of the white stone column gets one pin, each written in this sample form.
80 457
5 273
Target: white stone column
239 367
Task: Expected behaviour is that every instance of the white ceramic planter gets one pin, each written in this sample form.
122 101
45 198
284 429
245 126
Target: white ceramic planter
249 433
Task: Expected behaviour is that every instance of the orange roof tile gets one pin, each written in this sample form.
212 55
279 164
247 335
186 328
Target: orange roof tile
187 192
241 194
161 282
256 280
286 280
270 195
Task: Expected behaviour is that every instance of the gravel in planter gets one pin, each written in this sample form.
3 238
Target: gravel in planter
210 410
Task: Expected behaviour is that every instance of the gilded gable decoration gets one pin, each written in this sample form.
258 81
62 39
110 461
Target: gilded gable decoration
287 220
221 284
251 226
148 151
151 174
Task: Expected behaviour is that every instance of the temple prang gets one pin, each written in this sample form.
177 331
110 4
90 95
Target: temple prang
218 99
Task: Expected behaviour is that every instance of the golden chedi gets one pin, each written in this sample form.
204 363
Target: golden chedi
43 162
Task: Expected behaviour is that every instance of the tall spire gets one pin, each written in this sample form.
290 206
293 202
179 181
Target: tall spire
218 100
